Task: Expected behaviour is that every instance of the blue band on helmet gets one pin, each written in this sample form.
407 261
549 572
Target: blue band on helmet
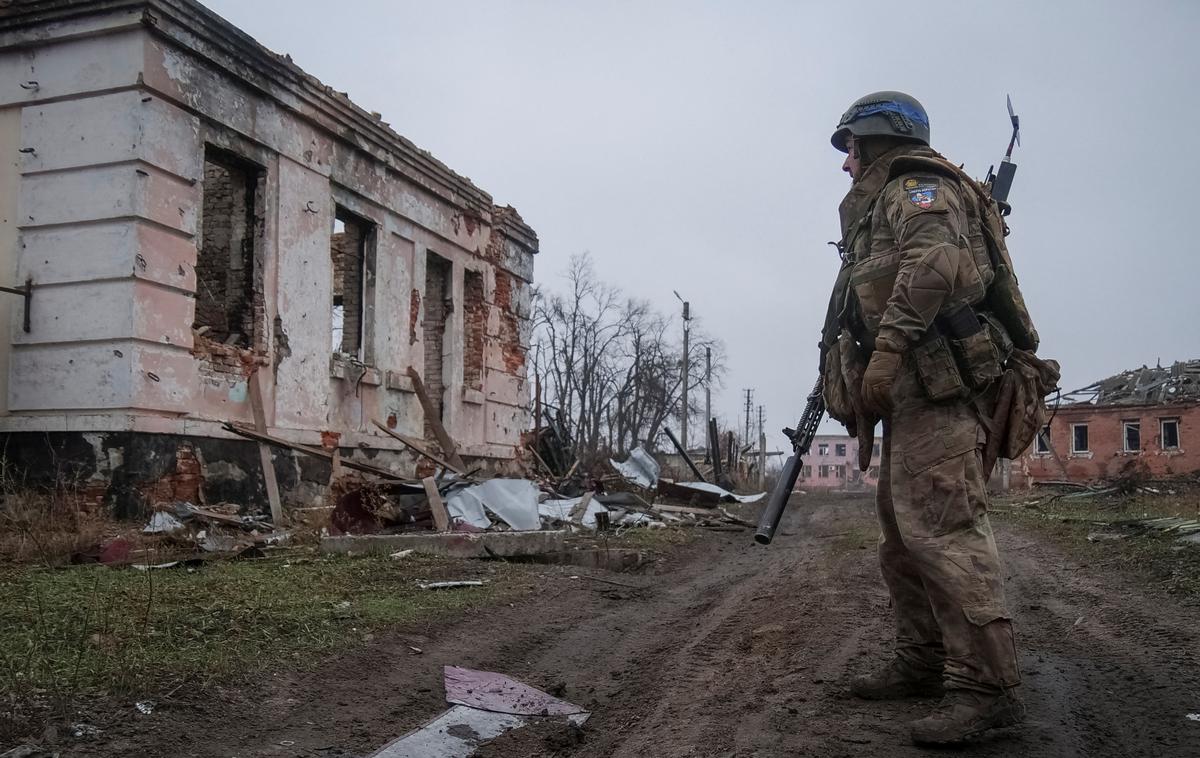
891 106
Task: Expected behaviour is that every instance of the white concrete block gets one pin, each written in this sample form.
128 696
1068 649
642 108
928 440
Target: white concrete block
69 376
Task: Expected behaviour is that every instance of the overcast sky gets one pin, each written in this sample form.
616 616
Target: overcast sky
686 146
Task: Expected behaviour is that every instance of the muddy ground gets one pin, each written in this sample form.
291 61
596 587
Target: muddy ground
730 649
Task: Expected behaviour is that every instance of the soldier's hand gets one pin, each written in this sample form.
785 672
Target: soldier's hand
877 382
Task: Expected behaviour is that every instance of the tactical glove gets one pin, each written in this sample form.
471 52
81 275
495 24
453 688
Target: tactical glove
877 382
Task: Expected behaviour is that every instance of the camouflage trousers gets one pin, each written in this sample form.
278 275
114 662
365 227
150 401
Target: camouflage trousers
936 549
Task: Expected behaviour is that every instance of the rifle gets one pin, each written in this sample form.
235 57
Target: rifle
801 438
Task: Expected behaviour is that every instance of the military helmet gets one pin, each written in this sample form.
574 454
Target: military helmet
892 114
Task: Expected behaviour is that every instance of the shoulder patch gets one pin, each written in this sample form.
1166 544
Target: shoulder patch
922 191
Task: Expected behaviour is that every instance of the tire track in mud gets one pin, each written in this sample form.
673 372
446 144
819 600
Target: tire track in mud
731 649
766 673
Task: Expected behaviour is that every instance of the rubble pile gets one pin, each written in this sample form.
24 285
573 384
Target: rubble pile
470 513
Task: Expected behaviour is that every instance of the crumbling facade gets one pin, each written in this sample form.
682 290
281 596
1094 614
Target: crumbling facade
1139 423
193 210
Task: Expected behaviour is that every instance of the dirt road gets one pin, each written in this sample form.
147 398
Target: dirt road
737 650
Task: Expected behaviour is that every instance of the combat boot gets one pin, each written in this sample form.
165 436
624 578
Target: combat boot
896 681
965 714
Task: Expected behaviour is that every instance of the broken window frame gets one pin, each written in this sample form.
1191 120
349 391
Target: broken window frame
1163 423
840 449
365 353
1075 449
254 209
1041 443
822 448
1134 425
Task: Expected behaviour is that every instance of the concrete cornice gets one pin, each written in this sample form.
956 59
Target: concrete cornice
191 26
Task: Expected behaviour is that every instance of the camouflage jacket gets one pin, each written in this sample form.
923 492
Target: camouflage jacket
912 240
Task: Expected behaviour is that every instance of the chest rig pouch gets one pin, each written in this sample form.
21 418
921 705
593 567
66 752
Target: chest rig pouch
964 350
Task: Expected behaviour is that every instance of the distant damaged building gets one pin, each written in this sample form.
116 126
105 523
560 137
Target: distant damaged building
204 226
1144 422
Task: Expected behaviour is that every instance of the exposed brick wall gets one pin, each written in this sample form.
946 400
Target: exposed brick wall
437 295
1107 458
510 328
221 362
474 329
347 248
414 315
181 485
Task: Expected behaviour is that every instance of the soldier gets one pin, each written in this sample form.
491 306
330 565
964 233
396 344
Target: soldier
910 347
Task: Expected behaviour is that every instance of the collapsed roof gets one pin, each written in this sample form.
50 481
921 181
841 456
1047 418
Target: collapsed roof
1179 383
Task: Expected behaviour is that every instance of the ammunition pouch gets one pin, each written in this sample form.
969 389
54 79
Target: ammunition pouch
963 351
978 359
937 371
980 345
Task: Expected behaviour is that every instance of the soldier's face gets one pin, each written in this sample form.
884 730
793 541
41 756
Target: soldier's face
852 165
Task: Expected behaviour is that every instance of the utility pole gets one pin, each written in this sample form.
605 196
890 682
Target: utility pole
746 438
708 443
683 416
762 452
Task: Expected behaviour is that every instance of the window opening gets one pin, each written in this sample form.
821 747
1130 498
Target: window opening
474 328
1170 434
839 449
228 298
1043 440
822 449
1131 434
348 251
438 307
1079 438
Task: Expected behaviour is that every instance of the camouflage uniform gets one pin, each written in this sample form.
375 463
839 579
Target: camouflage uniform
907 238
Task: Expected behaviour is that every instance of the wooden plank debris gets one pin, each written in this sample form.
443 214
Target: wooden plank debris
709 512
441 518
316 452
581 507
412 445
431 415
264 450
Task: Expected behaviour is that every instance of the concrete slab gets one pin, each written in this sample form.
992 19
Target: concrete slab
454 544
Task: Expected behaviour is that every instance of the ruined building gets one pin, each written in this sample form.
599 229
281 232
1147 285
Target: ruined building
1140 423
191 211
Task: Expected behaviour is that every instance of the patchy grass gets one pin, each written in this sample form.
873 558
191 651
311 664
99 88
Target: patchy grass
1156 558
83 631
855 538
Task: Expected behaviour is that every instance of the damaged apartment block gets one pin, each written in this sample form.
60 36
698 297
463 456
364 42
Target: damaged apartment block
208 230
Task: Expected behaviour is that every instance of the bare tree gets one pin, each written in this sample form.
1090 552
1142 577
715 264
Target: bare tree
610 366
